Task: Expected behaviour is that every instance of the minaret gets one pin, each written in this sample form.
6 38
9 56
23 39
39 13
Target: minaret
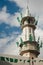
28 46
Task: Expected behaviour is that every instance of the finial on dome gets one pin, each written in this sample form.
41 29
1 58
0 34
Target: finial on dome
27 11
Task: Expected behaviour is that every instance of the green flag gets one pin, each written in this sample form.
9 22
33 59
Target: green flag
36 22
38 47
18 19
38 39
41 44
17 43
21 40
21 15
30 38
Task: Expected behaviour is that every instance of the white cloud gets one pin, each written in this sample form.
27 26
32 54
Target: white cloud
3 15
2 44
3 41
13 20
8 18
6 44
35 7
39 33
12 49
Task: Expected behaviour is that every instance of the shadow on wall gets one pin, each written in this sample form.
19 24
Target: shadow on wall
4 63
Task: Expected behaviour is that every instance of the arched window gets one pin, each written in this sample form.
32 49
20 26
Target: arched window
28 20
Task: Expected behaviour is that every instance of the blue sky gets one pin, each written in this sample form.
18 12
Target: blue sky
8 9
11 8
9 26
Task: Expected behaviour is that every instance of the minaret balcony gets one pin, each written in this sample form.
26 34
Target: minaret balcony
29 25
30 46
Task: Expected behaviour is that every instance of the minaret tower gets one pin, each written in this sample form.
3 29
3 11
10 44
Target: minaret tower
28 46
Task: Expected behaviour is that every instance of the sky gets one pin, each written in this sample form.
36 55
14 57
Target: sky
9 26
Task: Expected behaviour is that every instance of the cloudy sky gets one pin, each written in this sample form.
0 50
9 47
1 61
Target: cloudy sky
9 26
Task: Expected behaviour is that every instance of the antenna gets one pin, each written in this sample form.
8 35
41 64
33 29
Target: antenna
27 8
27 4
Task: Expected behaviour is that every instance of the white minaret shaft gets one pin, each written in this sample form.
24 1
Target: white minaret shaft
26 33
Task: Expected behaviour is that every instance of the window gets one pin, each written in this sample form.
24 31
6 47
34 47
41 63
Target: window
11 60
2 58
28 21
28 60
7 59
15 60
25 22
20 59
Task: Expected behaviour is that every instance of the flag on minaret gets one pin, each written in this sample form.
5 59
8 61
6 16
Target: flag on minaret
17 43
41 44
30 38
18 19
